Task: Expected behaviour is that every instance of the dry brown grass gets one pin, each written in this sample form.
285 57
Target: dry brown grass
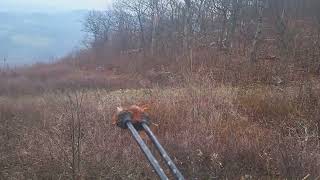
211 132
61 76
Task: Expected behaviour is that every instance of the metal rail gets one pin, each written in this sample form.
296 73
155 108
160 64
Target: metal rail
125 122
163 153
147 152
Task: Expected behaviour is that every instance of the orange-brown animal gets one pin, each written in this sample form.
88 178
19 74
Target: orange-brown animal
137 113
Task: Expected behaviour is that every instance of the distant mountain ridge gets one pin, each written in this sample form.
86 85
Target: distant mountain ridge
26 38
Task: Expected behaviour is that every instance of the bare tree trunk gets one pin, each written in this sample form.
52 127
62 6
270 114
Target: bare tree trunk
253 53
233 22
155 21
142 45
187 26
222 33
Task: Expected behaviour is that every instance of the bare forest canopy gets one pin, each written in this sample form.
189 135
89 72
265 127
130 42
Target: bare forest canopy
168 28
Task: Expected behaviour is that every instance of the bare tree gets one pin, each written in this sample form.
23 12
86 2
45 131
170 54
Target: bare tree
155 22
187 25
97 24
139 10
253 53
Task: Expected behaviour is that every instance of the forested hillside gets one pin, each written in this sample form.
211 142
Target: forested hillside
232 88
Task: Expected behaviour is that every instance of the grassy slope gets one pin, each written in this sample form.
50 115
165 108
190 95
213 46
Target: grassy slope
210 131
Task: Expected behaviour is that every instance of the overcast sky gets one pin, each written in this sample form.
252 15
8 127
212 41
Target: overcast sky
52 5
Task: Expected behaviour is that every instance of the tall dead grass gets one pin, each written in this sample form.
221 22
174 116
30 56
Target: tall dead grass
211 131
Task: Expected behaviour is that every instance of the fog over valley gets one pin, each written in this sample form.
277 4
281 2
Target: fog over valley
29 37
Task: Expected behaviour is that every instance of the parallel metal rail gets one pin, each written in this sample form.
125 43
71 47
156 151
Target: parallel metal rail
125 121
